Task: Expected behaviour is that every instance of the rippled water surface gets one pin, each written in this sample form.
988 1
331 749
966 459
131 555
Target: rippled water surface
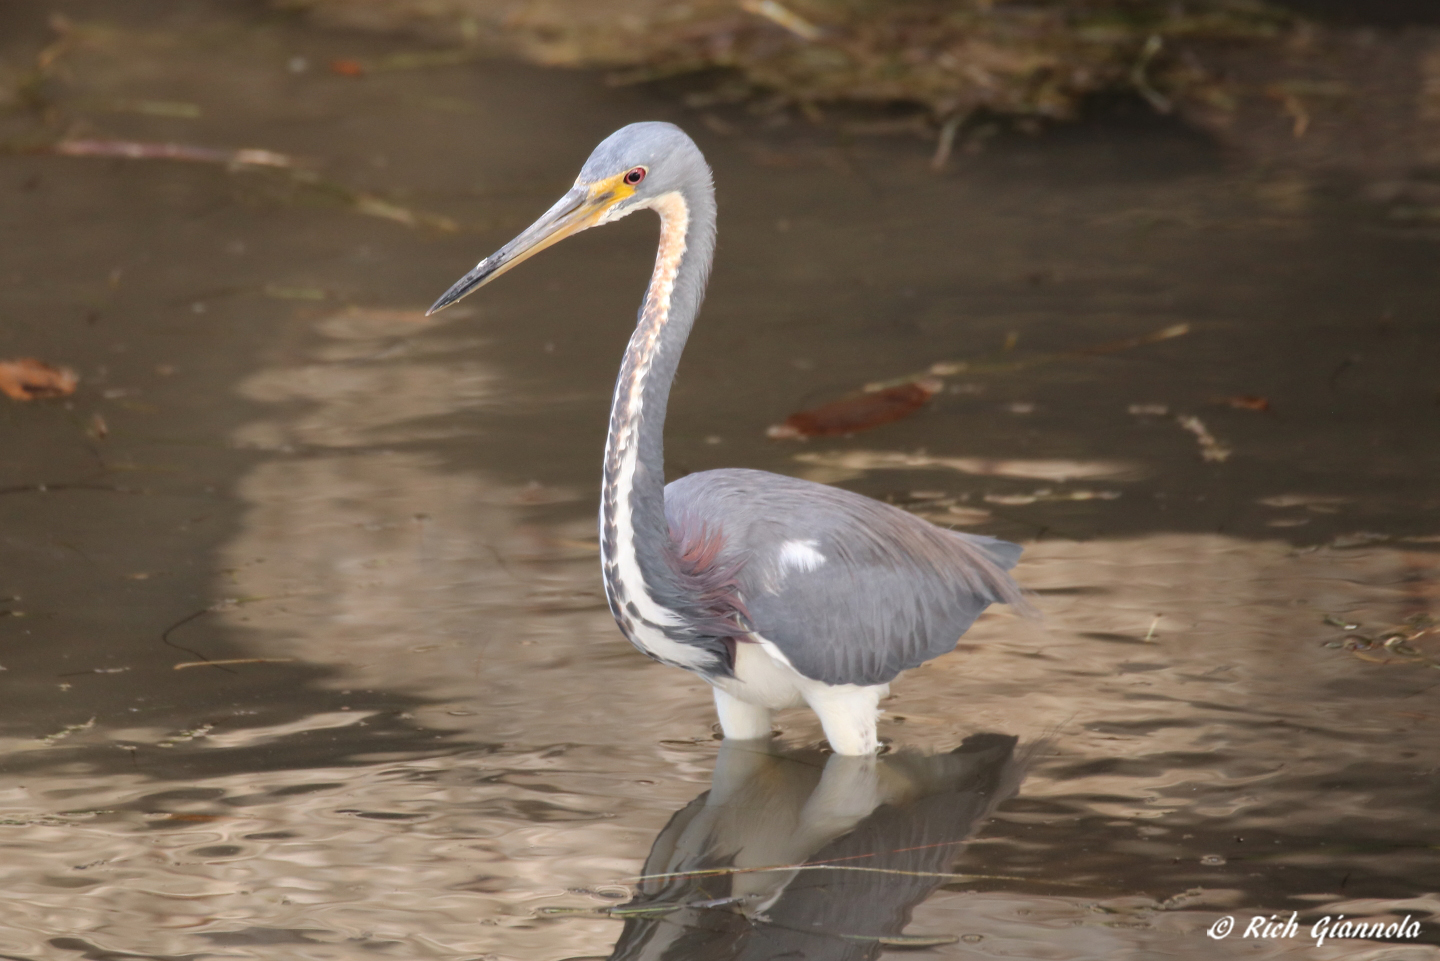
431 737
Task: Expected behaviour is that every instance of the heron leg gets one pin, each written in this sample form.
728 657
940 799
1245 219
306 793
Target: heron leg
848 792
741 720
847 713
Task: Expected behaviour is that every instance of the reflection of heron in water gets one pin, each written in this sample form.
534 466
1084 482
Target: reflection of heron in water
777 591
897 813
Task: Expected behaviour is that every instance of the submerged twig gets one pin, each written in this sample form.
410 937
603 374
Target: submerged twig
1140 79
948 130
242 158
165 637
941 875
235 660
618 911
138 150
783 17
225 604
903 940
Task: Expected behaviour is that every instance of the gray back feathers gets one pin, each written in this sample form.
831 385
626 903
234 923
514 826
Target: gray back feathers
850 590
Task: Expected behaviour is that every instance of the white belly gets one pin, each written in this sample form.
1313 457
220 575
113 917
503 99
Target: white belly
762 680
765 680
764 677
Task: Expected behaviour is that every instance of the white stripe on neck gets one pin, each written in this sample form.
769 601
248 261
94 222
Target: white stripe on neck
675 222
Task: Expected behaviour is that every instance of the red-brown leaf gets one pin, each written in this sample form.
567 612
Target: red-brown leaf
26 378
850 415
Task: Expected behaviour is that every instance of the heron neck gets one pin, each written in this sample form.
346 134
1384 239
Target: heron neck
635 448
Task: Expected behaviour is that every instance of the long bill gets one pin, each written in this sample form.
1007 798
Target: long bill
581 208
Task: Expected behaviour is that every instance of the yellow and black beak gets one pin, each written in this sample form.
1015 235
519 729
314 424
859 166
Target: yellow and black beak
581 208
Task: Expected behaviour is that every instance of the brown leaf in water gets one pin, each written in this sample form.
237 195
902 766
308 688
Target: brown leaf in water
1247 402
347 68
860 412
26 378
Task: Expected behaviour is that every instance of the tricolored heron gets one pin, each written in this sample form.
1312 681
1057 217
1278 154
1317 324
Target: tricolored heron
777 591
851 845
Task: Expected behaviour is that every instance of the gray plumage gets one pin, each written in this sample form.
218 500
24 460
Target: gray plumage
892 592
839 592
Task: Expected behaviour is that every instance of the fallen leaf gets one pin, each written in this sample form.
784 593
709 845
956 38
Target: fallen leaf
26 378
1247 402
859 412
347 68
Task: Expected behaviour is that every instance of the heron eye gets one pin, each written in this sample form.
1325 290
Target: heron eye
635 176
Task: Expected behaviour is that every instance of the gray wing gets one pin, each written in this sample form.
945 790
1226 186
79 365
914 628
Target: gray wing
851 590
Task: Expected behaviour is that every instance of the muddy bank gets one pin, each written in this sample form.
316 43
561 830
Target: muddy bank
952 59
1266 82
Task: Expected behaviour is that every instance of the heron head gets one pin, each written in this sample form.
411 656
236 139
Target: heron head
630 170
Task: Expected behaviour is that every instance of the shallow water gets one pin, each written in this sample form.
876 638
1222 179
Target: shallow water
436 733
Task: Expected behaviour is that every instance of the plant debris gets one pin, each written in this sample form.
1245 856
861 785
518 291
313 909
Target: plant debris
234 660
358 200
904 940
784 18
1211 450
857 412
139 150
26 378
886 401
1393 645
1247 402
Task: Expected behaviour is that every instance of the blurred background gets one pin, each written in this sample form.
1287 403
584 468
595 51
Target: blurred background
303 647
